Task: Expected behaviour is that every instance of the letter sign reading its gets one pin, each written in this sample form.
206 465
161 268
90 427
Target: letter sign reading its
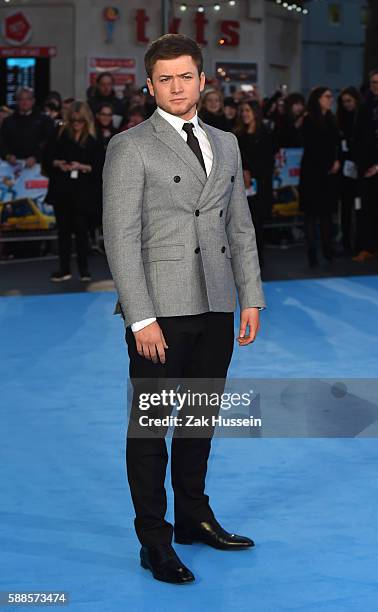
174 26
229 31
200 21
141 20
229 28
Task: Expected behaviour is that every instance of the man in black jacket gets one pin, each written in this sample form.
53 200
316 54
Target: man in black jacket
26 131
105 94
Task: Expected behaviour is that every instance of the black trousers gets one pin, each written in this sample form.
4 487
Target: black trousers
72 217
369 214
325 223
200 347
348 193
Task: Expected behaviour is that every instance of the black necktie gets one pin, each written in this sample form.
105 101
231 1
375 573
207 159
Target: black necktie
192 141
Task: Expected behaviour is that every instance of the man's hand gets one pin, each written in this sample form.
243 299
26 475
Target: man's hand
247 178
335 167
249 318
372 171
61 164
151 343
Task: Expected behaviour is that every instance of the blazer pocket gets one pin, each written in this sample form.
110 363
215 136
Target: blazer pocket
163 252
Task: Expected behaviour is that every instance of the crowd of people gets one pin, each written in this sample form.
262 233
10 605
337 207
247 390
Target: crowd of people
339 165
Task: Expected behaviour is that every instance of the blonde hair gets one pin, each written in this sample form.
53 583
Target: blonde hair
207 93
85 113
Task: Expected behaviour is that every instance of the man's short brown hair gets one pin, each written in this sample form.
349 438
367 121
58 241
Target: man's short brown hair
170 46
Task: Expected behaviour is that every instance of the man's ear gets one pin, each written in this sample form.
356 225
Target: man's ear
202 81
150 87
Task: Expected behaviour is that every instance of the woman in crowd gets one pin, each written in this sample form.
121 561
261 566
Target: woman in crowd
348 104
105 130
257 152
73 160
104 125
54 111
274 111
230 109
319 169
211 109
289 133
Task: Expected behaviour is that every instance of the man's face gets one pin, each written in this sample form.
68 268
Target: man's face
105 116
348 103
374 84
230 112
176 85
326 100
25 102
297 109
105 86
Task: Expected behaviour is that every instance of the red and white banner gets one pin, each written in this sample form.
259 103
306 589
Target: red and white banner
122 69
28 51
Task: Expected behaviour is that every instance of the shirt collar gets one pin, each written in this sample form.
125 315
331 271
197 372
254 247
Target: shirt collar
177 122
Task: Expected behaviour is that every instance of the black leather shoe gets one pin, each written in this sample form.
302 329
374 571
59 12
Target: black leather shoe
211 533
164 564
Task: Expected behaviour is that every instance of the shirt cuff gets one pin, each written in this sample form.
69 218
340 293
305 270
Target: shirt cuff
138 325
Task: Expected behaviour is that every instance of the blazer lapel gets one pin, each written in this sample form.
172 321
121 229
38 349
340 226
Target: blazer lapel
217 158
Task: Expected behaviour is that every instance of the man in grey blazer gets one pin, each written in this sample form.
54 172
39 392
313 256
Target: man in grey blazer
180 244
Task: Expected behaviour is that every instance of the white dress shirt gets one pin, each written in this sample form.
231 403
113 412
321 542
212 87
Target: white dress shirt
207 155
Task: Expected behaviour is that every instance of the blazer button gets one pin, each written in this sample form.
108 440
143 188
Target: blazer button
232 179
197 213
223 249
177 179
221 213
197 250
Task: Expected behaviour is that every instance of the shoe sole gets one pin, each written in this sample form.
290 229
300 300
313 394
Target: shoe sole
60 280
147 567
188 541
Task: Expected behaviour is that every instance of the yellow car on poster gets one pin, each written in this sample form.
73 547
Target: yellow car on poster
25 214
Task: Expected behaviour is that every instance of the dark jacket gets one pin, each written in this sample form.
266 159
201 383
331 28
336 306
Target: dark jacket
287 135
257 153
25 135
218 121
61 185
104 140
317 187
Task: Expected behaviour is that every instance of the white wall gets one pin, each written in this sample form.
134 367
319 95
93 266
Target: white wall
268 36
51 26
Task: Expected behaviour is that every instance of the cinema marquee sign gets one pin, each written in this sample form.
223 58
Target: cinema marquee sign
228 37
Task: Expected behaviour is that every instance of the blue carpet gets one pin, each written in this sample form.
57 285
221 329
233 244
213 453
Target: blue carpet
66 514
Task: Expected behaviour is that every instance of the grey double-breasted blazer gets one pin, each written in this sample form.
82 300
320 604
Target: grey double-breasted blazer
177 242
